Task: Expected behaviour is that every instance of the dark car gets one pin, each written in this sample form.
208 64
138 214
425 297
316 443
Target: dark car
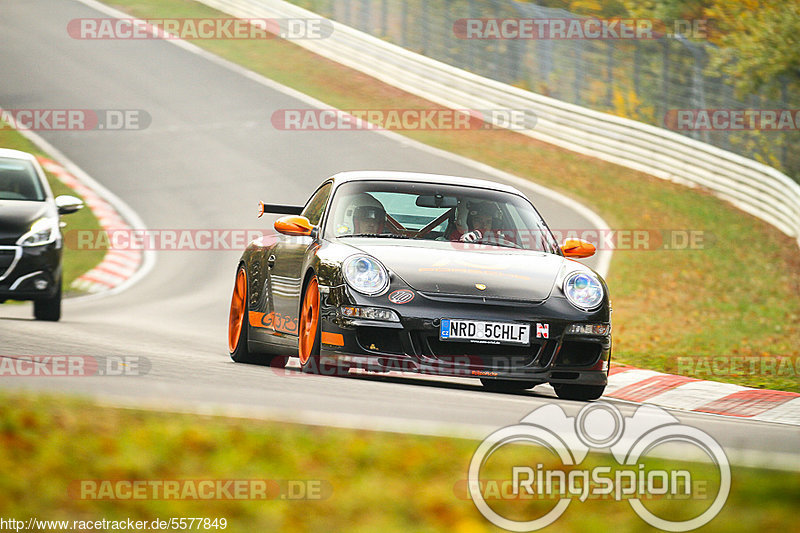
423 273
30 234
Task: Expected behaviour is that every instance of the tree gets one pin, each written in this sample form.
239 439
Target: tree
759 43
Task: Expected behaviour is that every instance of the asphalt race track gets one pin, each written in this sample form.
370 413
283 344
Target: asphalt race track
208 156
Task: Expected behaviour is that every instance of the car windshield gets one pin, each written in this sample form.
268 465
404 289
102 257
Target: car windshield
19 181
427 211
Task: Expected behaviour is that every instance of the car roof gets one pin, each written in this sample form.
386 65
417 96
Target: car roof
16 154
393 175
8 153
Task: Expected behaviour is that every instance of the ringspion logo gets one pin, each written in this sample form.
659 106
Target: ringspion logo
601 426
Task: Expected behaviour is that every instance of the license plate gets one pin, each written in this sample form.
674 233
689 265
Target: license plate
488 332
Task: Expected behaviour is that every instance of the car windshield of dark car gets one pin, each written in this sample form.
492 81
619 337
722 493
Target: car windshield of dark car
19 181
428 211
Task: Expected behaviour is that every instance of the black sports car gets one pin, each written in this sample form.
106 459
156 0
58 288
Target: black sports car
30 234
424 273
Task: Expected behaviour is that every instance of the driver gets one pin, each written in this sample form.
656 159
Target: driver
369 219
480 221
363 214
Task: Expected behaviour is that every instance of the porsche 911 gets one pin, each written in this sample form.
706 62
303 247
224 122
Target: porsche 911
423 273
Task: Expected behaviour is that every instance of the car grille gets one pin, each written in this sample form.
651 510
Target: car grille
577 353
489 356
377 339
7 257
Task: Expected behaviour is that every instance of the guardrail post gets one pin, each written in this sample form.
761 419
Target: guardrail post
664 77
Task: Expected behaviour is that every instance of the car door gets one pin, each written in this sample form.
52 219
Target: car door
285 266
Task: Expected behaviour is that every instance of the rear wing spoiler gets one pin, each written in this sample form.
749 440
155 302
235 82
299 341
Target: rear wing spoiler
278 209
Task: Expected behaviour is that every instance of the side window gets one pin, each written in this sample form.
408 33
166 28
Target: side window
314 208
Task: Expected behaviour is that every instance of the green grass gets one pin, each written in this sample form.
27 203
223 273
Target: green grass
75 262
735 297
374 481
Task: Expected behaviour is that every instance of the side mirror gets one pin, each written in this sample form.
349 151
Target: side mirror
67 204
577 248
294 225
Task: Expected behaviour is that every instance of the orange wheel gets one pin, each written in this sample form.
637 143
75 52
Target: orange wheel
237 315
308 345
238 326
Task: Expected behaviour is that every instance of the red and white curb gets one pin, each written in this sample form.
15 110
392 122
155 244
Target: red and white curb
117 266
690 394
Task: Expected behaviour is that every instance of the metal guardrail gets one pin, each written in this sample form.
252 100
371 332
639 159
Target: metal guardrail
645 77
753 187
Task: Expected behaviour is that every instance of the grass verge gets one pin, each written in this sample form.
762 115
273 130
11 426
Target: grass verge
75 262
734 296
371 481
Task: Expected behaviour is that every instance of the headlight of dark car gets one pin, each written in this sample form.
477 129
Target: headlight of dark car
583 290
365 274
43 231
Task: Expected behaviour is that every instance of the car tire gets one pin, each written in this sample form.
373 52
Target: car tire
578 392
507 385
309 331
237 322
49 309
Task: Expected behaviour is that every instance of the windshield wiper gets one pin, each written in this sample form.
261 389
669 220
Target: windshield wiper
378 235
505 243
500 245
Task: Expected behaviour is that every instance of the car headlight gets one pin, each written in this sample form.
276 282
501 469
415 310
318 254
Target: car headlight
43 231
365 274
583 290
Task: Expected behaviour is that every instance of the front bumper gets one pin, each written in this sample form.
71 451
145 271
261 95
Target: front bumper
29 273
413 344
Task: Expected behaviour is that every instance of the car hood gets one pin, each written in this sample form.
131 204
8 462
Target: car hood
458 269
16 217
